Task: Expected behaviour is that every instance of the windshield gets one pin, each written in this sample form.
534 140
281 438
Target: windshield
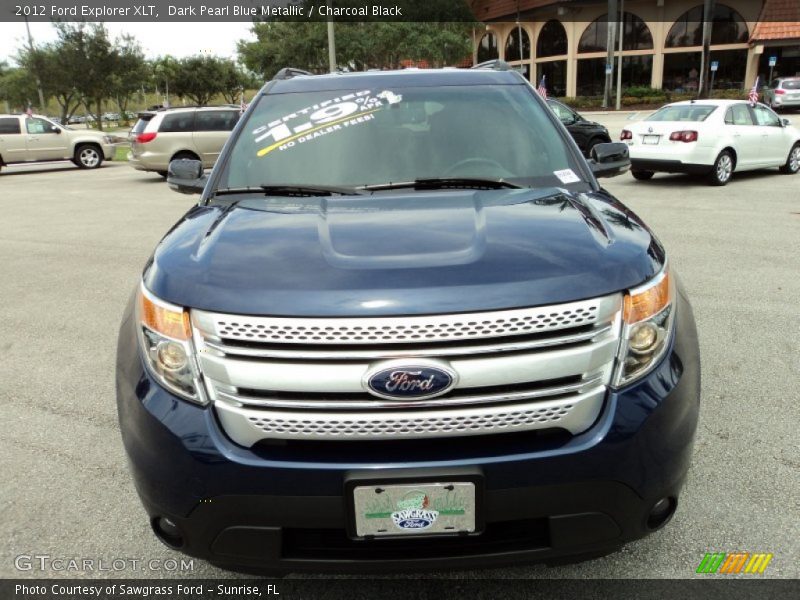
791 84
376 136
683 112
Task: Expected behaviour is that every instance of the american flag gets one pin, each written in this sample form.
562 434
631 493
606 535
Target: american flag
753 96
542 89
29 112
242 104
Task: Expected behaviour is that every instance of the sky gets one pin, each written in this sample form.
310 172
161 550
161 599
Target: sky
185 39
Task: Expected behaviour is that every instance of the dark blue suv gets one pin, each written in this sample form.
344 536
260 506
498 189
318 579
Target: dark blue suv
405 328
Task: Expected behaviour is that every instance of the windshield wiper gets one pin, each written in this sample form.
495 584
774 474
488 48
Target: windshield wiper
441 183
290 190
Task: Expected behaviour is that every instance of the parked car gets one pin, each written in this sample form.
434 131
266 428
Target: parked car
783 92
161 136
111 116
714 138
587 134
406 328
26 139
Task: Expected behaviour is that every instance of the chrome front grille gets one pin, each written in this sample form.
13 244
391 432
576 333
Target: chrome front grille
302 378
410 424
399 330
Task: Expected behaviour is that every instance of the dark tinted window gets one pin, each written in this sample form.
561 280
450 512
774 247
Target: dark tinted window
512 44
9 125
637 35
487 48
728 28
552 40
178 122
140 125
216 120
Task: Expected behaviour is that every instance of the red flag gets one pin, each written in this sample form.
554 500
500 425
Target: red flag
753 96
542 89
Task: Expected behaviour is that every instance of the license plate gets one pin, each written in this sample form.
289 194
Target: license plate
414 509
650 139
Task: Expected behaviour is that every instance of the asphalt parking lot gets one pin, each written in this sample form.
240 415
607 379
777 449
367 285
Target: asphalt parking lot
73 245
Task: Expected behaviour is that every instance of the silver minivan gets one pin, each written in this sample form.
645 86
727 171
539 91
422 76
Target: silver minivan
196 133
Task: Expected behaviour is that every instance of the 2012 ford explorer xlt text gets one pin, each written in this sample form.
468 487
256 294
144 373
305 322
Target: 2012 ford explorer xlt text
405 328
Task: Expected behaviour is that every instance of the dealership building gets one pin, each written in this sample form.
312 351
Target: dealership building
661 47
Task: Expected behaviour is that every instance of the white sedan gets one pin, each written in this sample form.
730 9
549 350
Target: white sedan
714 138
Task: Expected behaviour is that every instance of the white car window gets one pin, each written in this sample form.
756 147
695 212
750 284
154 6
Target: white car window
738 114
765 116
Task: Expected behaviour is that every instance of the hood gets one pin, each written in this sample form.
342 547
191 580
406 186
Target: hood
402 253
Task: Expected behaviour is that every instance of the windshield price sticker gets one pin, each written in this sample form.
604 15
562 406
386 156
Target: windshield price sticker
566 176
322 119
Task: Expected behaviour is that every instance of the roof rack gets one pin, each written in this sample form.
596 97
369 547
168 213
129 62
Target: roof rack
494 64
289 72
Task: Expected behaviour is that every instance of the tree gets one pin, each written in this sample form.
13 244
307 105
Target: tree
18 88
90 59
279 44
130 73
199 78
234 81
360 46
49 64
163 70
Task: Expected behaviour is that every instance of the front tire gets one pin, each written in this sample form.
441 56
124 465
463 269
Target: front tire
642 175
792 164
88 156
722 171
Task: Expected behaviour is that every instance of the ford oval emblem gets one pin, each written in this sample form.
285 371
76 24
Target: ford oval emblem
405 380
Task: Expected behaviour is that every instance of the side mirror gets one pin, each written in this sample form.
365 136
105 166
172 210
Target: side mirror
186 176
55 129
786 122
610 160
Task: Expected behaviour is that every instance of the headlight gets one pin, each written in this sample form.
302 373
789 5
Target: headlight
165 337
648 314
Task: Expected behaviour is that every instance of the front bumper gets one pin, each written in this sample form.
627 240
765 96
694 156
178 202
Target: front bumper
283 507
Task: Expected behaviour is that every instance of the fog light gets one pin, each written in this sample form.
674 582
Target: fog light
643 338
661 512
171 356
167 531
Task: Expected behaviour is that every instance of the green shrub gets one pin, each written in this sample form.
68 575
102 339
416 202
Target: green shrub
641 92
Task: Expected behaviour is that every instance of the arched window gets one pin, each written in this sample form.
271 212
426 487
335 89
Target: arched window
728 27
512 45
487 48
552 40
637 35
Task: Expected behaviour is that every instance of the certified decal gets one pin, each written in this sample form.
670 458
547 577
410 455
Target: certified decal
319 120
